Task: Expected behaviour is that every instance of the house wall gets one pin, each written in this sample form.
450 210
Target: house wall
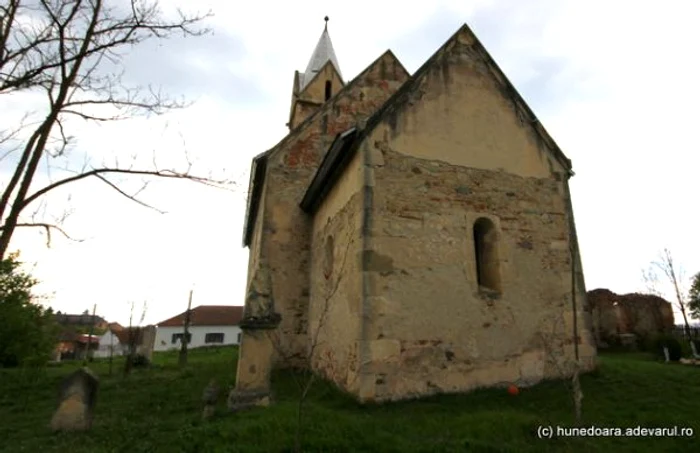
108 341
163 340
456 153
335 307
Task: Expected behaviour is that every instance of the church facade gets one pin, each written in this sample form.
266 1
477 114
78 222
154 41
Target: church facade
412 235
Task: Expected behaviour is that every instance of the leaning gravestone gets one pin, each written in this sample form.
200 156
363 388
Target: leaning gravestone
76 402
694 349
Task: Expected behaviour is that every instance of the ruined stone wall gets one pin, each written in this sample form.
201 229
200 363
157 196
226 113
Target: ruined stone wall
336 280
644 315
290 170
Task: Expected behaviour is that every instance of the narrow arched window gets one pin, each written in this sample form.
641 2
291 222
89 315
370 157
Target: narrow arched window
486 254
328 89
328 257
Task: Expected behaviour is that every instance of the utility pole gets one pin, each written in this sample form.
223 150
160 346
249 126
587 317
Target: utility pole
186 334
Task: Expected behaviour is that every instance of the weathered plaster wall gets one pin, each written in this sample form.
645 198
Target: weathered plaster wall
258 284
290 169
336 279
430 329
455 152
460 113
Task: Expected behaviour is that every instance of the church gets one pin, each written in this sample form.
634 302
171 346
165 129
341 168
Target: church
412 234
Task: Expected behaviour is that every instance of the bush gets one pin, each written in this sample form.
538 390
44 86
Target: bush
675 349
140 361
28 331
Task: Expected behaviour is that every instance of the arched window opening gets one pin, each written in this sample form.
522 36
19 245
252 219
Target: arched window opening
328 89
328 258
486 255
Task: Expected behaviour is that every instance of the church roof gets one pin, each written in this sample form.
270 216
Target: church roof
322 54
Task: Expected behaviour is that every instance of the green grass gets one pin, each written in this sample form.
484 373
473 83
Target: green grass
158 410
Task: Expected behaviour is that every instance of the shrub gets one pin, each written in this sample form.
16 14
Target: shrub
28 330
140 361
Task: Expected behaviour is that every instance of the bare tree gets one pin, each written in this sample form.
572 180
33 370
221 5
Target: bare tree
134 336
675 276
70 53
554 343
305 376
650 279
182 359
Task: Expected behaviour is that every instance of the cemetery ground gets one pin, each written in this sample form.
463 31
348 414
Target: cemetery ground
159 409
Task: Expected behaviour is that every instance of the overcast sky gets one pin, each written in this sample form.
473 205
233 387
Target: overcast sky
614 83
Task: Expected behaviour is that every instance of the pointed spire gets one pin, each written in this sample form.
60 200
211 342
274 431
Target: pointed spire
322 54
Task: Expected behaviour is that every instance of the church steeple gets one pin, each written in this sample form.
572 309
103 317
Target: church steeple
322 54
318 83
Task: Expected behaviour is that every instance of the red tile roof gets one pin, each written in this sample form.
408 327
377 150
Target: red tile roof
207 315
84 338
123 334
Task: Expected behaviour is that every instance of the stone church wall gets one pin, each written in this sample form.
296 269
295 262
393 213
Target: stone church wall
290 170
431 327
335 310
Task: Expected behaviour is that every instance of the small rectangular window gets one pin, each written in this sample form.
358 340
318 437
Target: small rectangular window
177 337
214 338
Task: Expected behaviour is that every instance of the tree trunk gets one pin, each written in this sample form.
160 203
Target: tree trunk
186 334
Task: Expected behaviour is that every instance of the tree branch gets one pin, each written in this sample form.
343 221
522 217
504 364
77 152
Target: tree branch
48 227
99 171
130 197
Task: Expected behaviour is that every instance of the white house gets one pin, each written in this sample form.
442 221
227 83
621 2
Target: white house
108 341
210 325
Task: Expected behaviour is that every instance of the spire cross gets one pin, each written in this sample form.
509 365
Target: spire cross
326 19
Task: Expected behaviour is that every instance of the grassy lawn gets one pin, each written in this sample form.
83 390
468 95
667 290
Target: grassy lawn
159 410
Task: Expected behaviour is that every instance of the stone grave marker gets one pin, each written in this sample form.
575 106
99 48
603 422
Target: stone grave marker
77 398
210 398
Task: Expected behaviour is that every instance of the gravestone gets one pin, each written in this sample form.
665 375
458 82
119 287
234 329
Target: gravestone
666 354
77 398
693 348
210 398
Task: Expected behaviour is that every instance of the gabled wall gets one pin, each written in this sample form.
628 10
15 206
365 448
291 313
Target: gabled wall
459 112
108 341
454 152
306 102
